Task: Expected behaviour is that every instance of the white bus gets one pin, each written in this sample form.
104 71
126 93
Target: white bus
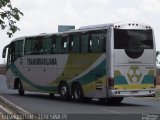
106 62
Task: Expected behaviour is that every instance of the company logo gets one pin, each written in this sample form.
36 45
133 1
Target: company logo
134 74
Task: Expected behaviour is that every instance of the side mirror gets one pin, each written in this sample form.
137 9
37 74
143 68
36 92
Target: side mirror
4 51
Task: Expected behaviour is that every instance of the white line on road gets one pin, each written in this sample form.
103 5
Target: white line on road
12 104
14 107
4 109
111 111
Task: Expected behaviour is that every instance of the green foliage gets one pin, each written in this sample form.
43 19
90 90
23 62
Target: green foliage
158 93
9 16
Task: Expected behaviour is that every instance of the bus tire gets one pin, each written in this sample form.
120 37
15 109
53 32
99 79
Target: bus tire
20 89
51 95
77 92
64 91
103 100
115 100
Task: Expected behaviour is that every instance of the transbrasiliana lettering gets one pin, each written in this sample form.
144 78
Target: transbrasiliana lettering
41 61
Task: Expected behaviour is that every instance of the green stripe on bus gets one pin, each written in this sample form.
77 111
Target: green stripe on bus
148 79
77 64
46 88
118 80
96 73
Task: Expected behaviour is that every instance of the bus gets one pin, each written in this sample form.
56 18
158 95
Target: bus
106 62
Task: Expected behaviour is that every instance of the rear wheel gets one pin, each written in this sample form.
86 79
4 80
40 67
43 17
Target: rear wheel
51 95
64 91
102 100
77 92
20 89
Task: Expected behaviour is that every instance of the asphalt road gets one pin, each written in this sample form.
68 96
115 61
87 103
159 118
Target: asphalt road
38 103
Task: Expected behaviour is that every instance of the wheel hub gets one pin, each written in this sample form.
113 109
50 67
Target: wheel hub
63 90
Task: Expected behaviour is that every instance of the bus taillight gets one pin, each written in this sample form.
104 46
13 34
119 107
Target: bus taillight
110 81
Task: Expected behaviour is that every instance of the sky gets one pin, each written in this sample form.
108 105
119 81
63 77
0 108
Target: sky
44 16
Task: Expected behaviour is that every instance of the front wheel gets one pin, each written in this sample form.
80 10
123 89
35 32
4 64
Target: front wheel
20 89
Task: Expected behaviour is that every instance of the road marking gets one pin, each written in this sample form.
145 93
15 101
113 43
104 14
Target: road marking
14 105
14 108
108 110
4 109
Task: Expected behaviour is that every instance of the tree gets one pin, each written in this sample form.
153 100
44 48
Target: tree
9 16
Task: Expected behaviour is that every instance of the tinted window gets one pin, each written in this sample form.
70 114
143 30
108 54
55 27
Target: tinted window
29 46
74 43
64 44
133 39
61 44
47 45
18 48
38 49
93 41
87 42
54 45
98 41
15 51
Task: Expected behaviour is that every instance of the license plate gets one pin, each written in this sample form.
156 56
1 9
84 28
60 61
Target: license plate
134 92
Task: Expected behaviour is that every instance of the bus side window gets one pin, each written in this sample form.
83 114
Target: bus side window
29 46
38 46
64 44
15 51
9 58
12 52
90 46
47 45
74 43
85 43
98 41
58 45
54 45
104 43
18 49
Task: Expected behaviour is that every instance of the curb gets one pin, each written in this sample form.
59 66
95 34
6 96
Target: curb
14 109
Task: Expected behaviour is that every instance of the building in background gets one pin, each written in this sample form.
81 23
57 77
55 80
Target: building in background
63 28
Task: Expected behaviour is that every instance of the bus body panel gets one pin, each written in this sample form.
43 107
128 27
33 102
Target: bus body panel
121 58
88 69
103 74
134 61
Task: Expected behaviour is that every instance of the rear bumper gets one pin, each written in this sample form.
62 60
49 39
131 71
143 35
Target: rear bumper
132 93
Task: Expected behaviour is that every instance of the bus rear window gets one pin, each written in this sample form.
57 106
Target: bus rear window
133 39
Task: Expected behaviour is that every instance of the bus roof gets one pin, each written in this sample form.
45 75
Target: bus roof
96 26
118 25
